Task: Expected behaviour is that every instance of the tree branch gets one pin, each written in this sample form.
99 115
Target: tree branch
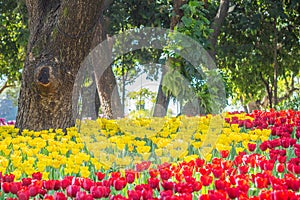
288 94
177 13
216 25
4 86
269 90
290 90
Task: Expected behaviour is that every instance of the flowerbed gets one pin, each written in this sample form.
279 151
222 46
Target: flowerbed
233 156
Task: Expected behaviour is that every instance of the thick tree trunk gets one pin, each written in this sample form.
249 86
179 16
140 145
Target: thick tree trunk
162 100
60 38
216 26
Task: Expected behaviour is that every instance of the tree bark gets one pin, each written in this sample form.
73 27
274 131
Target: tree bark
268 89
162 100
60 38
216 26
275 63
110 102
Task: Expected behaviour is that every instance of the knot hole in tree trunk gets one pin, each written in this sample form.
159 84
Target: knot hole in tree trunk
44 76
46 80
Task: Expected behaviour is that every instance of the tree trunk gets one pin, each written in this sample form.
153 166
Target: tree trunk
216 26
110 102
162 100
275 63
60 38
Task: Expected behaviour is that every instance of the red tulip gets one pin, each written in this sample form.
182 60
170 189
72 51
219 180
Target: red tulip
274 143
199 162
142 166
265 195
57 185
248 124
42 191
23 194
49 184
130 176
72 190
224 153
5 187
280 167
83 196
134 194
117 197
238 160
232 180
220 184
165 194
147 194
269 165
99 191
167 185
205 171
264 145
251 147
65 183
281 159
243 169
14 187
197 186
153 173
8 178
165 174
206 180
33 190
76 181
37 175
100 175
243 185
217 172
87 184
204 197
120 183
232 192
261 182
26 181
153 183
59 196
216 161
217 195
48 197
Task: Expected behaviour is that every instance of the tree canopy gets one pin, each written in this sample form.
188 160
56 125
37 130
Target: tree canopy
13 40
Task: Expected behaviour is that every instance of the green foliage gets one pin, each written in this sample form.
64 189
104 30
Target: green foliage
176 85
194 22
133 14
13 39
248 42
184 82
141 113
129 14
141 96
292 103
